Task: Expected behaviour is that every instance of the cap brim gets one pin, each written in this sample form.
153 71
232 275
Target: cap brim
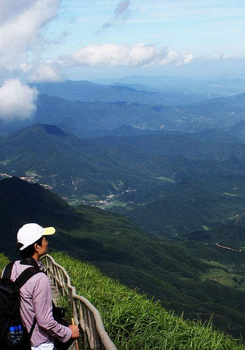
48 231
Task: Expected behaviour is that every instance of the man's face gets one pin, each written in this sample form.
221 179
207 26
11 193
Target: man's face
42 250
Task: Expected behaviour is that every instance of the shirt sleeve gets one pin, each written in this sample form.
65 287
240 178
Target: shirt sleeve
42 303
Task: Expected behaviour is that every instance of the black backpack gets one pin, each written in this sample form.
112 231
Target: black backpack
13 334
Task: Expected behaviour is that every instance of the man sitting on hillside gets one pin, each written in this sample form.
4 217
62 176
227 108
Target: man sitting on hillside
36 301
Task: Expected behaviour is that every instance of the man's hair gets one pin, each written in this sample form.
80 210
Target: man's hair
28 251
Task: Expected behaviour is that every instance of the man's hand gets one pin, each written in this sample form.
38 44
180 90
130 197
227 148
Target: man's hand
75 331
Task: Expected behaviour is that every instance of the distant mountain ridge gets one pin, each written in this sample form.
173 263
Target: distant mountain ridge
219 86
86 118
90 92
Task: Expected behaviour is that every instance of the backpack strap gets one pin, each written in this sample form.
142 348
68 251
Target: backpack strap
32 327
25 276
21 280
7 271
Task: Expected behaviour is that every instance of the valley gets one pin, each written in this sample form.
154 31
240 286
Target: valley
167 183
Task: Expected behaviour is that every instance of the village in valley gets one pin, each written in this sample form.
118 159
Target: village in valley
112 200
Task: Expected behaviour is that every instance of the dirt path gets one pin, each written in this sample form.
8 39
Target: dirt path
228 248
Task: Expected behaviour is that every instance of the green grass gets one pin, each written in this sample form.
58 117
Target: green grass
5 162
3 261
112 204
32 173
217 264
135 322
226 278
91 197
166 179
117 186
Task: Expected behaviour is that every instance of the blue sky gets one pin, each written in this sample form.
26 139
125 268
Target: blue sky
202 28
83 39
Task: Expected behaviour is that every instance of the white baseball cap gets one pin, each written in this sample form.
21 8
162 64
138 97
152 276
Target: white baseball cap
30 233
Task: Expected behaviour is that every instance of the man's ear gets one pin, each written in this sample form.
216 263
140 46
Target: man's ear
36 247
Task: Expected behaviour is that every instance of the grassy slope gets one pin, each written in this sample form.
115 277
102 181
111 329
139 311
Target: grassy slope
135 322
168 271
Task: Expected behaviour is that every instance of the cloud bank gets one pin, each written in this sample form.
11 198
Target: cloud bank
124 55
45 72
20 25
21 22
17 101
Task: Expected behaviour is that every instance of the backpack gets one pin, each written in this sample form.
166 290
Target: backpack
13 334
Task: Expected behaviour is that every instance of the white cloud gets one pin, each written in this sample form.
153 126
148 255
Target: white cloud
45 72
229 55
17 101
20 25
124 55
179 58
21 22
12 8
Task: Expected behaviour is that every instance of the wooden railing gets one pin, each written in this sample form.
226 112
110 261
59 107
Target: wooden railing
84 313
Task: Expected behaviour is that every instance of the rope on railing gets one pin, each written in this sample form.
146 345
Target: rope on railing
84 313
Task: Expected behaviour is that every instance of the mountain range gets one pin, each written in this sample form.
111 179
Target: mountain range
169 184
90 92
163 83
111 107
175 172
72 166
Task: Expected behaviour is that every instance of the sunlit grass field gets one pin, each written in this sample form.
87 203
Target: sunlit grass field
135 322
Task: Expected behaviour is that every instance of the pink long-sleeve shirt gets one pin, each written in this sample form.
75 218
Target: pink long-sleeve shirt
36 301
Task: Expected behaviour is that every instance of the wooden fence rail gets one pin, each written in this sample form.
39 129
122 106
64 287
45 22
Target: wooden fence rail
84 313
